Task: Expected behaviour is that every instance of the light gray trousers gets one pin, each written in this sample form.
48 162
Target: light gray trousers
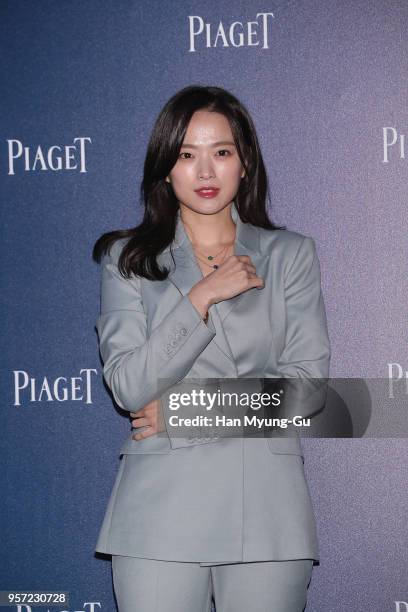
149 585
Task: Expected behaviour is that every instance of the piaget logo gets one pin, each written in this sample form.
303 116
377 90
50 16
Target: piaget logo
393 144
236 34
60 389
88 606
397 381
56 157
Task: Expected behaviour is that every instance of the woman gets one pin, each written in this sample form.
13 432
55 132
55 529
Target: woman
206 287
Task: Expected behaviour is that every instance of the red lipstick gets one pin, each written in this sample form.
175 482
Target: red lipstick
207 192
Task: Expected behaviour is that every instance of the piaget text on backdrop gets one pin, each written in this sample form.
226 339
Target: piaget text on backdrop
60 389
236 34
40 158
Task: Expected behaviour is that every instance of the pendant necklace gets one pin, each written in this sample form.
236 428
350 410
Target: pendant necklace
211 257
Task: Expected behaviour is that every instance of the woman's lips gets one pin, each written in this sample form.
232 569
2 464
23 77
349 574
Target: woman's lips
207 193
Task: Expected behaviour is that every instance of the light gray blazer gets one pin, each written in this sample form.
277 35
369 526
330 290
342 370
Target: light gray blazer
201 499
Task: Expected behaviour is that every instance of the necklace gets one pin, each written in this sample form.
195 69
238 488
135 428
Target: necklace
211 257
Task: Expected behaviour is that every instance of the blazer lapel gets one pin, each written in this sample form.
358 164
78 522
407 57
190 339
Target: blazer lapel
246 243
185 271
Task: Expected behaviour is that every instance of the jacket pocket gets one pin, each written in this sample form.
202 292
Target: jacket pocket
285 446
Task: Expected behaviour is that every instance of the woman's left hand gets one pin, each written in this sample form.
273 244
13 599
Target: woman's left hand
150 416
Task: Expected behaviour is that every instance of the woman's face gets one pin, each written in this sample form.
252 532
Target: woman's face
208 158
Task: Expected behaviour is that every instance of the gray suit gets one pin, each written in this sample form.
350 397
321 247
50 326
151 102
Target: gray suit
212 501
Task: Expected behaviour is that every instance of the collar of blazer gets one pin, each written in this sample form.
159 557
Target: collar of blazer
247 235
185 271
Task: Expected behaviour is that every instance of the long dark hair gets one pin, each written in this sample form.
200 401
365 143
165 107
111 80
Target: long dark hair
157 230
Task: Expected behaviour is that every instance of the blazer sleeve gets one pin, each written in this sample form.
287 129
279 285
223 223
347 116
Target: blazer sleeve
136 363
306 351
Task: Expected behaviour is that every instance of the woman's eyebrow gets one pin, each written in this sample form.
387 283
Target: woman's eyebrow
214 144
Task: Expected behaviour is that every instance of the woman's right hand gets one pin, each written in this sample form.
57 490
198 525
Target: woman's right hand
149 416
236 275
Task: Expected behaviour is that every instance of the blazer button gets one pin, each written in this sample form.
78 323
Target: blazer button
173 343
183 331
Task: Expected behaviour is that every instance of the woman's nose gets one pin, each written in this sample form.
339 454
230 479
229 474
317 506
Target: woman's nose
205 172
205 168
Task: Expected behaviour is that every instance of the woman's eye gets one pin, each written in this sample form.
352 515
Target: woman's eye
224 151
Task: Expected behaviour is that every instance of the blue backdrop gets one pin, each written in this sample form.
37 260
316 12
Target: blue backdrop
82 85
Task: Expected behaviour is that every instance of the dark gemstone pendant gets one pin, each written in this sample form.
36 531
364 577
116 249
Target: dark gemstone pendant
210 257
215 267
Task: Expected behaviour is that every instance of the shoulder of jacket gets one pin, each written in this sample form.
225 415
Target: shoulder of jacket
287 239
290 247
